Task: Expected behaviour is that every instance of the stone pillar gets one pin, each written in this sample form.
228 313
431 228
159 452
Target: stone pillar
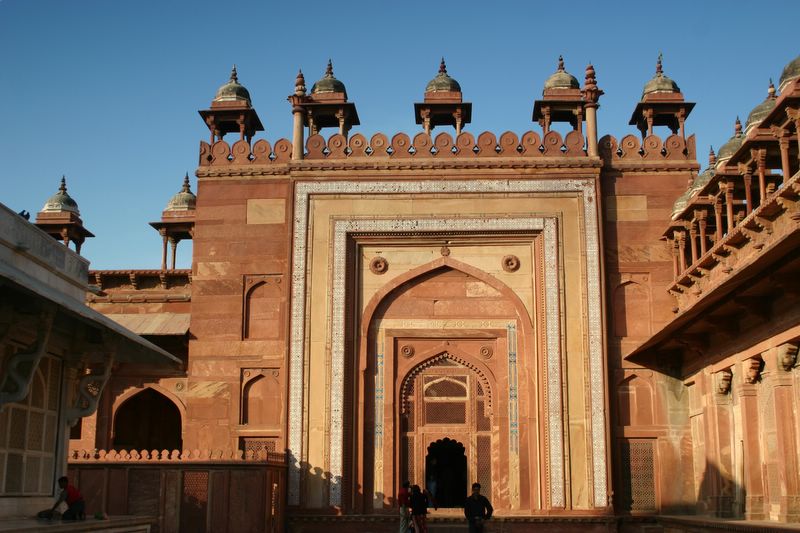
727 189
297 133
783 141
719 445
785 358
747 390
591 129
164 250
701 215
693 238
718 217
174 245
762 178
748 196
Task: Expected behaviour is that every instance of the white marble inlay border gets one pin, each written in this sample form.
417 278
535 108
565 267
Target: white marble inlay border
297 331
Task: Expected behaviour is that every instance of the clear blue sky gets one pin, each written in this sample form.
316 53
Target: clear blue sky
107 91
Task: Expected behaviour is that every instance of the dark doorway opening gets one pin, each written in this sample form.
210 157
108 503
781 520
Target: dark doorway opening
446 473
148 421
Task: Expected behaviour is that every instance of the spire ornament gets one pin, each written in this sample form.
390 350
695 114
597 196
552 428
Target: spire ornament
300 84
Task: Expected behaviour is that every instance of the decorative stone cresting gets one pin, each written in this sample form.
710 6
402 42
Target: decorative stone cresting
400 146
652 148
173 456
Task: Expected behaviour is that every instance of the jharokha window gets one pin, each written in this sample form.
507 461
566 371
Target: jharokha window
28 433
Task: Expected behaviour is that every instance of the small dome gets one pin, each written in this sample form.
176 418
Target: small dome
61 201
233 91
443 82
184 200
761 111
730 147
660 83
328 83
790 72
700 181
561 79
681 203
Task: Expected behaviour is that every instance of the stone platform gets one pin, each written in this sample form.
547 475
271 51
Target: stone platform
115 524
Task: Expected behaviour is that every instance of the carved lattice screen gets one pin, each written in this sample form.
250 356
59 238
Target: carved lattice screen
638 475
28 432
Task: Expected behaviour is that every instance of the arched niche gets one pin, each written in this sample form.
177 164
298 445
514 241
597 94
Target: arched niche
262 398
631 309
635 401
147 420
262 313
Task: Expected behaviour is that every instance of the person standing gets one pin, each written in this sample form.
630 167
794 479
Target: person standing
419 509
477 509
404 501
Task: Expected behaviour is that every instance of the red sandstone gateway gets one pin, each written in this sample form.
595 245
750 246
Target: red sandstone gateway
591 328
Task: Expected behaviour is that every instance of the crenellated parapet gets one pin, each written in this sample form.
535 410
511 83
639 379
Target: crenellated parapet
630 151
399 146
173 456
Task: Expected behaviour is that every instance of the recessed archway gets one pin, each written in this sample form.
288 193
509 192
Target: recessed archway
147 421
446 472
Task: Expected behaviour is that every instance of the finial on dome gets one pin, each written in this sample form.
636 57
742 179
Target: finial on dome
329 69
659 68
63 187
186 187
442 67
712 157
300 84
560 63
737 127
771 90
590 81
234 75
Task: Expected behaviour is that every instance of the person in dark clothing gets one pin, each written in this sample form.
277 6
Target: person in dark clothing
419 509
76 507
477 509
404 501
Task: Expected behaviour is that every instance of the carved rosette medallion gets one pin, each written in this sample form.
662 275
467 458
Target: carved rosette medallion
445 251
407 350
378 265
510 263
486 351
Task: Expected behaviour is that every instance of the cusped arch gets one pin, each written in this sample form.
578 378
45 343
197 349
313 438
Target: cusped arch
485 376
162 429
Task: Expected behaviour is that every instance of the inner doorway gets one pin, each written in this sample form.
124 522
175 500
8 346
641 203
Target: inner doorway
446 473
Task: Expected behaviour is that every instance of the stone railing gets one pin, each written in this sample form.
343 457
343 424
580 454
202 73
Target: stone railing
400 146
186 491
708 251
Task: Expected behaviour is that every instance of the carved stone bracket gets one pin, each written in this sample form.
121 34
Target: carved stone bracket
787 355
19 373
723 381
90 387
752 370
